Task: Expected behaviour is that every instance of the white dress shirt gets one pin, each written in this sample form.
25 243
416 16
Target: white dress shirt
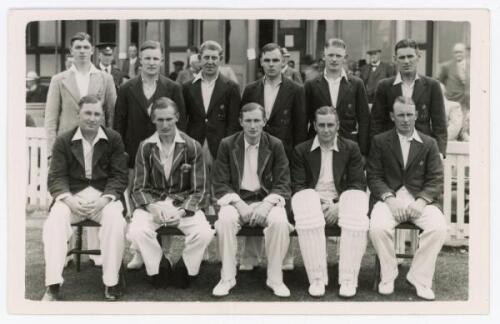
207 88
149 91
250 179
326 185
106 69
334 86
406 90
83 79
270 94
405 143
166 157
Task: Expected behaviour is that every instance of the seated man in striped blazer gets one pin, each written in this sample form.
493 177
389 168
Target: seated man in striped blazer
170 189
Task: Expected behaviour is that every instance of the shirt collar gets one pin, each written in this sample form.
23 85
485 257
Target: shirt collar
264 80
375 64
103 68
93 69
155 138
284 68
79 136
199 76
315 144
343 74
399 80
248 144
415 136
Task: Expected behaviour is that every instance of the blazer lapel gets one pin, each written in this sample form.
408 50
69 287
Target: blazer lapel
418 89
259 93
396 148
238 156
338 164
343 89
100 147
219 89
323 89
198 97
138 94
283 92
415 148
314 160
178 155
70 83
95 83
264 155
157 160
77 150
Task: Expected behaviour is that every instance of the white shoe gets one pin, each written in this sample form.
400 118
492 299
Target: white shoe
386 288
288 267
317 288
246 267
223 287
279 290
422 291
136 262
97 259
347 289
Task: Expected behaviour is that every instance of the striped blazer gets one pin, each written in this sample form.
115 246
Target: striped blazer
187 183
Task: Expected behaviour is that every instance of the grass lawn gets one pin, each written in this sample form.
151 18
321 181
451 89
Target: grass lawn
450 282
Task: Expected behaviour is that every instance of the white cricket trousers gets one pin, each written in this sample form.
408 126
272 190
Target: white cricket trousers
142 235
310 226
382 228
57 231
276 241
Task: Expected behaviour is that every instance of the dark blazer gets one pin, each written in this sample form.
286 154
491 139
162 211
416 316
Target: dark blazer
422 177
347 165
293 75
371 78
67 167
429 103
187 183
352 107
272 167
288 120
222 116
126 67
118 76
132 120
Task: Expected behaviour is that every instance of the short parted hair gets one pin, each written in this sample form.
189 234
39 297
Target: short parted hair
133 45
326 110
251 106
404 43
335 42
403 100
269 47
89 99
211 45
80 36
163 103
151 44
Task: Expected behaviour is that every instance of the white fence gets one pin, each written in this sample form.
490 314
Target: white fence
456 188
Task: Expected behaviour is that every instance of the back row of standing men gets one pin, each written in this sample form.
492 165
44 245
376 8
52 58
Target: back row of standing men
208 110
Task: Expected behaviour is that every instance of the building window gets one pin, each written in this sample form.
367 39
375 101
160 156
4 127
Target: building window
153 31
178 33
48 34
107 32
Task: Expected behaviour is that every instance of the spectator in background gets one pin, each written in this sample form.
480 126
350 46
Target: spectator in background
106 57
291 64
35 92
288 71
132 64
178 66
68 62
373 72
192 69
454 118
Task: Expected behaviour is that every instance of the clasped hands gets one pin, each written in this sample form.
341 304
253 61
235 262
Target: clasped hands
166 215
403 213
256 215
84 208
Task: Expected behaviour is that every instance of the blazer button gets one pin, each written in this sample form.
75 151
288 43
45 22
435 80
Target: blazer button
206 120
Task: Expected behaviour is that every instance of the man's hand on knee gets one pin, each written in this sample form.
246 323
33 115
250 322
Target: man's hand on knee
77 205
95 207
259 216
415 209
244 210
397 209
331 212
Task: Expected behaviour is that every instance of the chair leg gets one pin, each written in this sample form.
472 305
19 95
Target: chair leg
376 274
79 231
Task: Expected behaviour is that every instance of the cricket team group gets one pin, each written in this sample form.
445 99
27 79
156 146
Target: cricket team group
282 156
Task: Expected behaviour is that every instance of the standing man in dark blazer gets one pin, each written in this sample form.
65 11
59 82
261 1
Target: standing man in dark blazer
373 72
251 182
288 71
87 178
106 58
329 183
136 97
131 65
345 93
212 102
424 91
405 178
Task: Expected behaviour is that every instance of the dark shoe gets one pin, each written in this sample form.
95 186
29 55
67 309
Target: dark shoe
51 293
164 276
181 277
112 293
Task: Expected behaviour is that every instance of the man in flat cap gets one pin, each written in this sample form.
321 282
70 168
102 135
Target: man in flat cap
374 71
106 57
287 70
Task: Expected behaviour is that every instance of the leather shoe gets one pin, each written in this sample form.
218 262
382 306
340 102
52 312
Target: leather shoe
112 293
51 293
223 287
164 276
317 288
279 289
423 292
137 262
347 289
386 288
181 277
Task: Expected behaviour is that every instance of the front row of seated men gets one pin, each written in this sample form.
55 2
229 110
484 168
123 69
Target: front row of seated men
251 182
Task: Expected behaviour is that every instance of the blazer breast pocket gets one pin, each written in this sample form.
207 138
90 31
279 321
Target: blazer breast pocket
423 112
221 112
348 110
